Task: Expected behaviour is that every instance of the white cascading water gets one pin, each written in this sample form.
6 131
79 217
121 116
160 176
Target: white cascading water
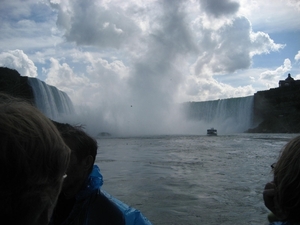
49 100
228 115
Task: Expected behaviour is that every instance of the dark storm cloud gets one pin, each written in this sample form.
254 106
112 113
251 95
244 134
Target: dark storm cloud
90 23
233 51
219 8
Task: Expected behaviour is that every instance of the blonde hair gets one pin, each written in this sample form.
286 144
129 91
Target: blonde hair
33 160
287 180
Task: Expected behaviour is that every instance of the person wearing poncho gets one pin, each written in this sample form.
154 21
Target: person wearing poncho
82 201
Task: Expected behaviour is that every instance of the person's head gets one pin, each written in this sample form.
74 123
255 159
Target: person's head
83 153
287 180
33 161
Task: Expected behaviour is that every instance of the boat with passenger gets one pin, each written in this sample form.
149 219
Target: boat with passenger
212 132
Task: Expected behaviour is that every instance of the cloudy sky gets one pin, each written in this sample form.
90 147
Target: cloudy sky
135 57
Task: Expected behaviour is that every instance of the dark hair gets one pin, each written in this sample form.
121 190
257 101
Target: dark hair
78 140
33 160
287 180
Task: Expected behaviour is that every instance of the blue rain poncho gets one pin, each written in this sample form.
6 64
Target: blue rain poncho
132 215
280 223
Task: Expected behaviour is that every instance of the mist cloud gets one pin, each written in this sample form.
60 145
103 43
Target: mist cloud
132 61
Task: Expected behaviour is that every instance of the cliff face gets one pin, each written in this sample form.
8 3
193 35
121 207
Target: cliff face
11 82
48 99
277 110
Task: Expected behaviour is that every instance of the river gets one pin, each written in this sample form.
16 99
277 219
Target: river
188 180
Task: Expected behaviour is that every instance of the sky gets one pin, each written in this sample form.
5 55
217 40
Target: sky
130 61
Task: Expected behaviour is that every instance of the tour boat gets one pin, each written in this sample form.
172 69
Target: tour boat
211 132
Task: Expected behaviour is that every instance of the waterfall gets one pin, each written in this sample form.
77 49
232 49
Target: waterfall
229 115
49 100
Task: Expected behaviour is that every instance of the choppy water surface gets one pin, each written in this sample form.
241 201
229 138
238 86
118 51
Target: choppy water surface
192 179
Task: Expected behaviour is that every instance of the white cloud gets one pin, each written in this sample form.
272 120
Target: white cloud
18 60
262 43
272 16
101 81
294 4
27 25
16 9
93 23
207 88
146 59
154 42
145 54
61 75
271 77
297 56
231 47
